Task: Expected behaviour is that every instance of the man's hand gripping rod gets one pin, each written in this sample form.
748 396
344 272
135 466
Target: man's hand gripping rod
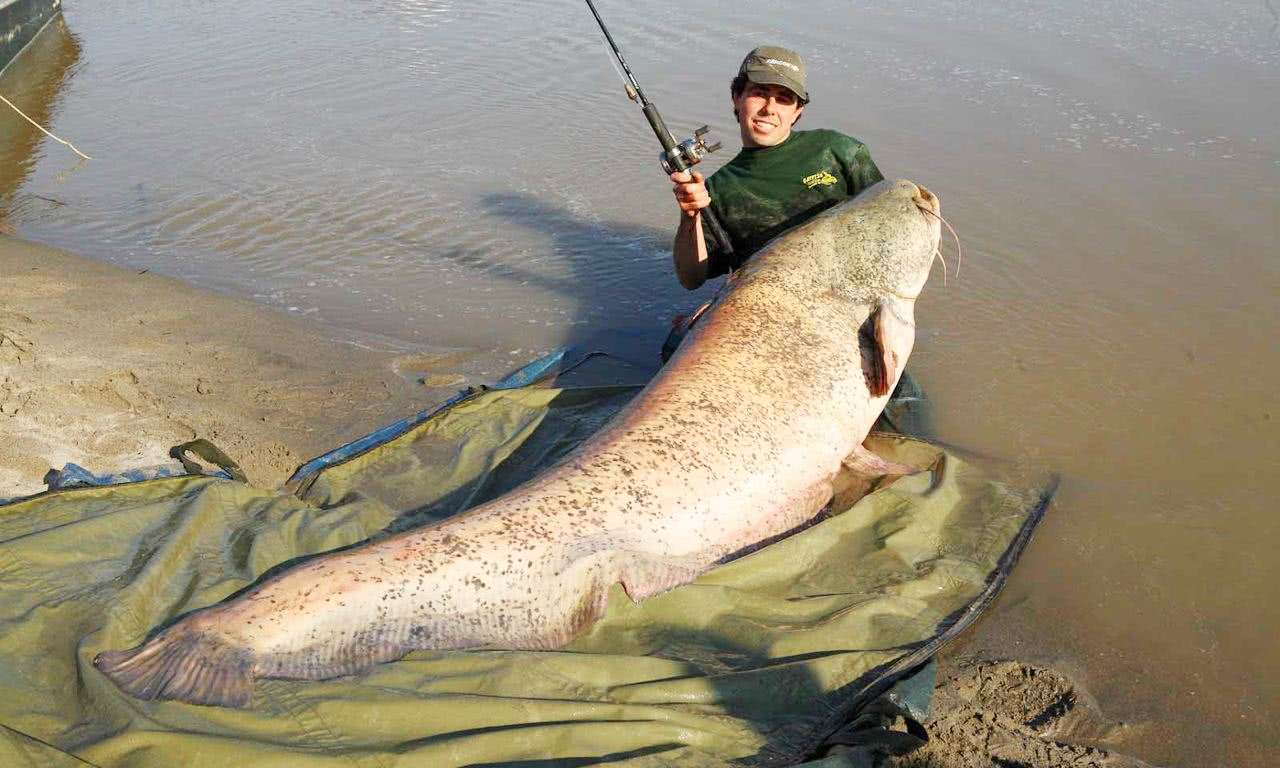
675 156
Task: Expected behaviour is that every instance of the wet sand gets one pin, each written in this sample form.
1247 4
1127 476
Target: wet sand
109 367
1009 713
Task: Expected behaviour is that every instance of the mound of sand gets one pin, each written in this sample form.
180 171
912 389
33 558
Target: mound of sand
1007 714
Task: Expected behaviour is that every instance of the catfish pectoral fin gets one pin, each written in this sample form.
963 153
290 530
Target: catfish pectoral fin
877 362
183 664
889 327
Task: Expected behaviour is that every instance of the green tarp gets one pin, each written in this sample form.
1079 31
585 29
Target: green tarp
756 662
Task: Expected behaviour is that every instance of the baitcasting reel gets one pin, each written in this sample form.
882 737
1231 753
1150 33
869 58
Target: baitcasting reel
674 157
688 152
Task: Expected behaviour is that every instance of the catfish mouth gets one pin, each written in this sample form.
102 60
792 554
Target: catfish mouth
927 202
930 206
931 209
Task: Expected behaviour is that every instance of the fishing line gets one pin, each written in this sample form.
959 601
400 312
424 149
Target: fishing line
609 54
42 128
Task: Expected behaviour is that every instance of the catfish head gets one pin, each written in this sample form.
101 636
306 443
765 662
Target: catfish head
886 240
883 247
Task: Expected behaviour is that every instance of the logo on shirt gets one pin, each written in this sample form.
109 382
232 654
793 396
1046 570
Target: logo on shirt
819 179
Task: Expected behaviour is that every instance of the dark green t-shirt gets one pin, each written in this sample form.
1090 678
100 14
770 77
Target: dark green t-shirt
762 192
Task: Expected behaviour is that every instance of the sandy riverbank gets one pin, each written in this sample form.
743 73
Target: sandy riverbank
108 368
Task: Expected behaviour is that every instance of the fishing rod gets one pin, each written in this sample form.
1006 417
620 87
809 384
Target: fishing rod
675 156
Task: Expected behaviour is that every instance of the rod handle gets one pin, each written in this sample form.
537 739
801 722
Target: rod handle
710 221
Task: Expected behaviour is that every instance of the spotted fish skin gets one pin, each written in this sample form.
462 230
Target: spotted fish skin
735 441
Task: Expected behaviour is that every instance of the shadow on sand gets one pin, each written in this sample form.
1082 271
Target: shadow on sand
616 279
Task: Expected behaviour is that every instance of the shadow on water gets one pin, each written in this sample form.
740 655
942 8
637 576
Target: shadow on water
617 277
33 82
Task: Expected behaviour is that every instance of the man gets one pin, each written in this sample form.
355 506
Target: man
781 178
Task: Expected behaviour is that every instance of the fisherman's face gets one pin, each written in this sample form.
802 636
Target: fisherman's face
766 114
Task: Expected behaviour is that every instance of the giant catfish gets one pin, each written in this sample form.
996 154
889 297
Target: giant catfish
735 441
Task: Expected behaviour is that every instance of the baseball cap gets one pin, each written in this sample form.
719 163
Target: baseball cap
771 65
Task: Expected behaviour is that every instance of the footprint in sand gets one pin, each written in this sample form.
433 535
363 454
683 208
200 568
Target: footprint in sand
12 397
15 346
427 368
1006 713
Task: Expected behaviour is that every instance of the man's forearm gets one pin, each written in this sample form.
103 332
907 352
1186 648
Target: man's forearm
690 252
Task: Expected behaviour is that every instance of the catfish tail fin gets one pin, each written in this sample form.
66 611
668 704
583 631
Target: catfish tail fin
185 664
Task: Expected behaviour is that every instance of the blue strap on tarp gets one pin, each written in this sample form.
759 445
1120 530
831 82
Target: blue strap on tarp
521 377
73 475
527 374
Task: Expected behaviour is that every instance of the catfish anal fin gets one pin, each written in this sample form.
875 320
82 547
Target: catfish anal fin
864 462
867 472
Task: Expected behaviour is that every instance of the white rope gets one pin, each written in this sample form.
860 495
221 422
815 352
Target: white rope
41 127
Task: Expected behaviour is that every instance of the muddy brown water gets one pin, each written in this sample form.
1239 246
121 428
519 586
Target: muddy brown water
467 178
